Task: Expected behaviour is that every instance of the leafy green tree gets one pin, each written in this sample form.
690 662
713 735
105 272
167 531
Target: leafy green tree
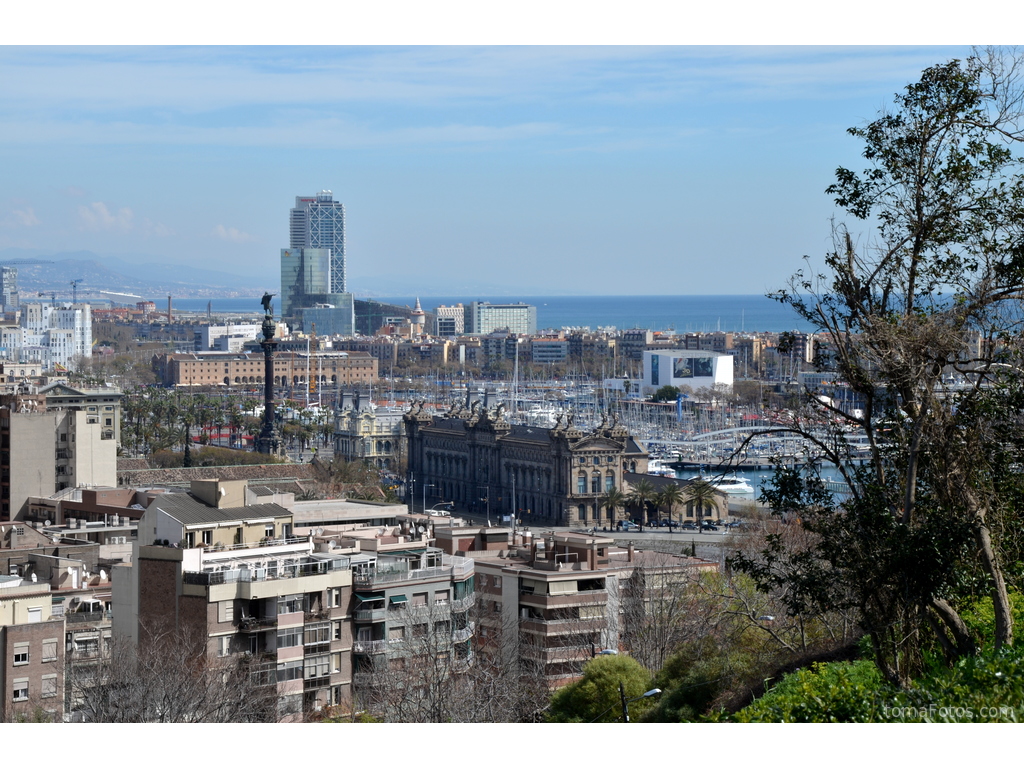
702 497
665 394
595 697
641 494
613 500
919 321
670 497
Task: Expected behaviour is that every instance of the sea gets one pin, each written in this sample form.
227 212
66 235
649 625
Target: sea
657 313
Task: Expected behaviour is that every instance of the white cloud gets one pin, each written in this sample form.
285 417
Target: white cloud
97 217
231 234
26 218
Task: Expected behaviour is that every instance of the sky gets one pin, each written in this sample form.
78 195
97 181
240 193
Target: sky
542 169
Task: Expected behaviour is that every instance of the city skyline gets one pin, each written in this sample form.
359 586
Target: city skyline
702 168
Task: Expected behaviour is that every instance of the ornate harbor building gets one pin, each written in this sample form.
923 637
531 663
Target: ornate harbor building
475 458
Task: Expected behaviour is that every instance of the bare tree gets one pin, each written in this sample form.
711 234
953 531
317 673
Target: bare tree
169 680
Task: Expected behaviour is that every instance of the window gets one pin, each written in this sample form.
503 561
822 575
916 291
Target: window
20 654
49 650
337 630
335 598
597 461
419 599
225 611
317 666
20 689
190 540
289 604
441 597
581 484
595 483
208 537
224 645
268 531
609 482
49 689
289 638
396 634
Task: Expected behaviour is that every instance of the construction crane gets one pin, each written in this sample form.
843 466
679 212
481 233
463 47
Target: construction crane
74 289
52 295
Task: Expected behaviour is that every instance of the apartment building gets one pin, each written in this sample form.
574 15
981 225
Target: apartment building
412 605
236 575
60 438
32 652
554 602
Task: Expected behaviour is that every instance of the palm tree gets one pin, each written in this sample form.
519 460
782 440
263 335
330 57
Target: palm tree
642 492
612 500
702 495
670 497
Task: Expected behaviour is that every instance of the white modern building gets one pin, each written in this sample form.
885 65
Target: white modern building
226 338
451 321
693 368
319 222
53 336
482 317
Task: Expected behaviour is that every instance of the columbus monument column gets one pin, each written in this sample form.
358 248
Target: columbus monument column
269 440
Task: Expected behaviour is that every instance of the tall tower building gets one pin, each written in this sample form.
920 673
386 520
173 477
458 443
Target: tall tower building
319 222
9 287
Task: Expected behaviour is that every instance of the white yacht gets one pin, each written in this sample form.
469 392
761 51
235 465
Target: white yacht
730 484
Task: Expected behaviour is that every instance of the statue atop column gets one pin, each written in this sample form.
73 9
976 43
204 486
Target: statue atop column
269 440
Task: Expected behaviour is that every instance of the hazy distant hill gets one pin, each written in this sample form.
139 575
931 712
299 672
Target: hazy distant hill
111 273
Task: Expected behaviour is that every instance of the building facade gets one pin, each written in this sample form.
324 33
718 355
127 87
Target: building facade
319 222
61 438
236 576
363 432
476 459
686 368
482 317
245 369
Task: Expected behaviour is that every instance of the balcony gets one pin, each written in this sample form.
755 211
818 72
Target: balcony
462 635
371 614
247 575
463 603
562 626
451 566
253 624
370 646
86 616
463 664
590 597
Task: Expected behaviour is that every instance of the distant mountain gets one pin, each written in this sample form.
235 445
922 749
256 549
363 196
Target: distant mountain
116 274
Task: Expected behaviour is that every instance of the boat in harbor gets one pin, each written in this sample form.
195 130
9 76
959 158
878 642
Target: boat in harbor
730 484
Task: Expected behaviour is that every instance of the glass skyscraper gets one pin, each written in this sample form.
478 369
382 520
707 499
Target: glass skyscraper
319 222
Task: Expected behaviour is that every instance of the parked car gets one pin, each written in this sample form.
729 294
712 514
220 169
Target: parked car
627 525
708 527
688 527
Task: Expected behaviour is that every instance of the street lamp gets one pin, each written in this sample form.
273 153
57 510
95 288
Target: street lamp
626 702
425 486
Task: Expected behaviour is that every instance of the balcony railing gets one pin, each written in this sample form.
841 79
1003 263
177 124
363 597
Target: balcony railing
312 568
86 616
463 603
370 646
462 635
463 664
371 614
450 567
253 624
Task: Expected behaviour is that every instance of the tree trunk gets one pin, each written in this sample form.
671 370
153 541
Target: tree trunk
963 644
1000 598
